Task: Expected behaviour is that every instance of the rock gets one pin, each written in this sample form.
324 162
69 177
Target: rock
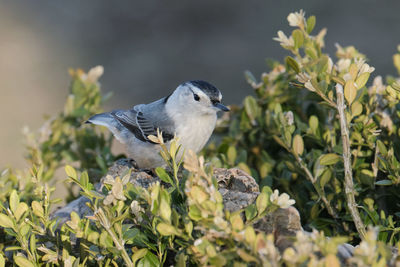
238 189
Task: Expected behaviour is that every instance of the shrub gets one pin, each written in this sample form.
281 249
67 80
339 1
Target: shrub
313 129
319 130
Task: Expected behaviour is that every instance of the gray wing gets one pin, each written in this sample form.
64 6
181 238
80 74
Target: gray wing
144 120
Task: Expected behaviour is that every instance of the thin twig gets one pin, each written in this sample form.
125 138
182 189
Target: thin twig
375 164
313 180
348 175
99 213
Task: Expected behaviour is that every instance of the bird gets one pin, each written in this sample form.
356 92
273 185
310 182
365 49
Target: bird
189 113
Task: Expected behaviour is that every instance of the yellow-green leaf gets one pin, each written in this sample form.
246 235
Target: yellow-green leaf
37 209
252 109
362 80
329 159
165 210
298 144
245 256
23 262
313 122
396 62
21 209
237 222
356 108
298 38
262 202
338 80
381 147
310 23
292 63
243 166
14 201
138 255
2 261
353 70
231 154
326 176
166 229
70 171
350 91
250 234
5 221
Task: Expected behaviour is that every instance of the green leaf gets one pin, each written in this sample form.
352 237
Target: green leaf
262 202
84 180
381 147
163 175
23 262
5 221
14 200
24 229
21 209
329 159
37 208
298 145
150 260
356 108
384 182
166 229
338 80
298 38
362 80
2 261
243 166
311 23
165 210
70 171
252 109
326 176
350 91
250 211
396 62
105 240
139 254
231 154
292 63
313 122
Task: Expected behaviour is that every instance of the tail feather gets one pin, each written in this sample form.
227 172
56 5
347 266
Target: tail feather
104 119
107 120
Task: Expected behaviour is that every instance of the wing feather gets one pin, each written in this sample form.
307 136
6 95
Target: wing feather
137 123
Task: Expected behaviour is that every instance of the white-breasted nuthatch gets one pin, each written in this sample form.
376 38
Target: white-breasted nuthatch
190 113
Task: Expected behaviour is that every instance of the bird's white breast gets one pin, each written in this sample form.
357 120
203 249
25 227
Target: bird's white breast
192 128
195 131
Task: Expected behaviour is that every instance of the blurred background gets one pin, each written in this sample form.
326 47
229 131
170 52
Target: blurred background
148 47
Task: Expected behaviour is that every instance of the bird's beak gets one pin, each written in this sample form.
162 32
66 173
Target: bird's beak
221 107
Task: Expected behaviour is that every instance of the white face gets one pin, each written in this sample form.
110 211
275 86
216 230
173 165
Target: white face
197 100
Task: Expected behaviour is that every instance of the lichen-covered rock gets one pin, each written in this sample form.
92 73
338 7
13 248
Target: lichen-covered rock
238 189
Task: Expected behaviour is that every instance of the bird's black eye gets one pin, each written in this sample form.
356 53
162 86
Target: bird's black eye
196 97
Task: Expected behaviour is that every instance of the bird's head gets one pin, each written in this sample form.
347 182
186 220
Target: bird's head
200 97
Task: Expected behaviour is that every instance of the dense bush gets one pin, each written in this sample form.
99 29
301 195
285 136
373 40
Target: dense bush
291 135
313 129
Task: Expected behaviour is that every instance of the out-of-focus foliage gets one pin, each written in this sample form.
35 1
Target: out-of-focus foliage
65 138
288 135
